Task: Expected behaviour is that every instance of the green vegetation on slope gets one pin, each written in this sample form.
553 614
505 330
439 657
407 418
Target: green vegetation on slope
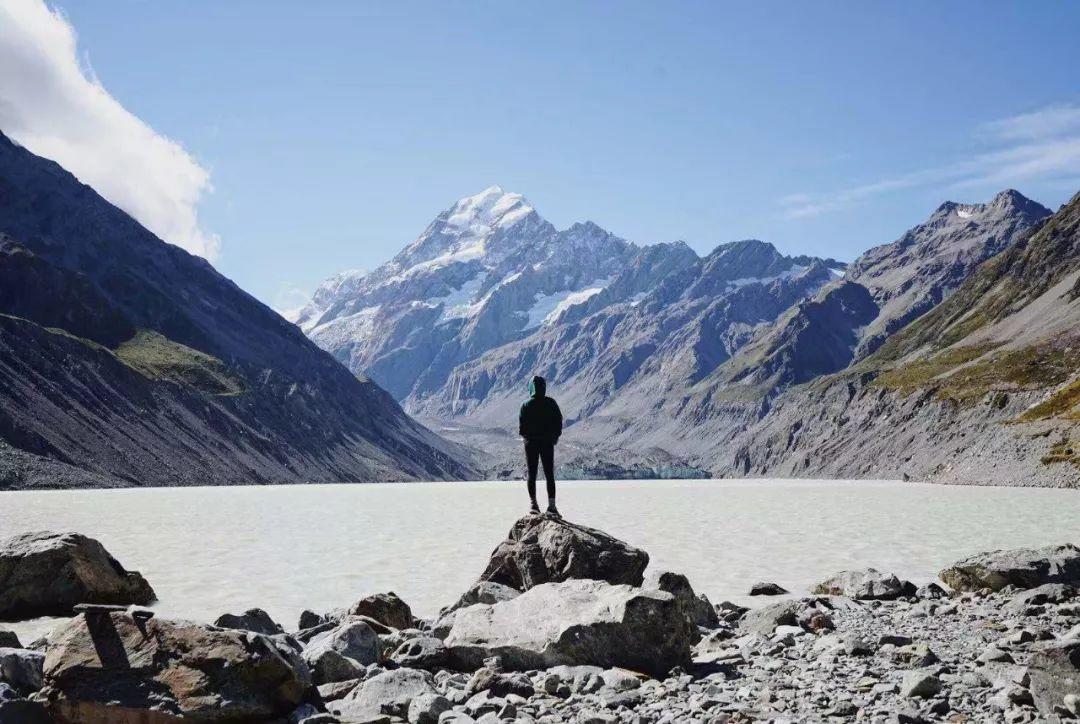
967 374
159 358
999 287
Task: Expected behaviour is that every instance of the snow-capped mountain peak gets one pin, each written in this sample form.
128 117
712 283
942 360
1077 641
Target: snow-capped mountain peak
472 229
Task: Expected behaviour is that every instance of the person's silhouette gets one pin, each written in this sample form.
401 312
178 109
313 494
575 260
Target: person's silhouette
540 424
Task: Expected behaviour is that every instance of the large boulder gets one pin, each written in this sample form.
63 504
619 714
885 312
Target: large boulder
386 608
1055 674
697 607
48 574
353 638
865 584
764 620
1020 567
575 622
110 667
390 692
545 549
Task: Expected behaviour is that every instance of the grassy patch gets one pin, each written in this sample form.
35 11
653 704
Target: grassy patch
159 358
1063 452
925 373
965 375
1064 403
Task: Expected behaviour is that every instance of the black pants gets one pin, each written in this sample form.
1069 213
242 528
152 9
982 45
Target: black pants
540 451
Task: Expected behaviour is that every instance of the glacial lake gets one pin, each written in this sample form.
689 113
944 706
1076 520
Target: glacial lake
211 550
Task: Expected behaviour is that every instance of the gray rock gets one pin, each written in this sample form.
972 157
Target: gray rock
1054 674
353 639
931 591
920 684
865 584
309 619
484 592
697 607
386 608
337 689
542 549
254 619
329 666
1040 596
918 654
390 692
47 574
621 679
1020 567
575 622
423 652
480 592
8 640
22 669
427 708
765 588
764 620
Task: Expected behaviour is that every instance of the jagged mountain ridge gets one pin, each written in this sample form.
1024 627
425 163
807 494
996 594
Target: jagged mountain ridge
884 289
126 360
490 288
485 272
983 389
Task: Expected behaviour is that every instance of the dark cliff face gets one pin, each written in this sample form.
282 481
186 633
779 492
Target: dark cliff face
128 357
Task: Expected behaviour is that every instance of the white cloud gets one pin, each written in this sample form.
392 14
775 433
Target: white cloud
54 106
289 300
1040 146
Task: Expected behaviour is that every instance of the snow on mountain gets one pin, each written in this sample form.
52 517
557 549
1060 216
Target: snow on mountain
483 273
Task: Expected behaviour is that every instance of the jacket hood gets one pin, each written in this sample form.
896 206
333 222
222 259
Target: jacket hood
538 386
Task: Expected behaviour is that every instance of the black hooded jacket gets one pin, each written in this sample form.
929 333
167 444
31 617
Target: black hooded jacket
540 418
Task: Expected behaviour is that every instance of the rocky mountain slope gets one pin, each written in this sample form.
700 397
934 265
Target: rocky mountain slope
127 361
982 389
487 271
681 365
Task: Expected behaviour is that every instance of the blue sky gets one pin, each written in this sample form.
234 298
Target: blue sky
331 135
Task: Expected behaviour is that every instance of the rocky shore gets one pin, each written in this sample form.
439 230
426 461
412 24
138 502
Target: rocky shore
565 625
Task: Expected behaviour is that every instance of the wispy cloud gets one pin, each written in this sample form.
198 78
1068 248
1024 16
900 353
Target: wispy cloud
1043 145
289 300
55 106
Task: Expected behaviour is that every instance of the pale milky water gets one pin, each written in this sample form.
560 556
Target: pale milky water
209 551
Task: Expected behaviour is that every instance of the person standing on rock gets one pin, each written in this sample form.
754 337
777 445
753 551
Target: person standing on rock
540 424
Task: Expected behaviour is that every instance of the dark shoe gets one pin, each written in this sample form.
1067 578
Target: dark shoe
534 507
553 511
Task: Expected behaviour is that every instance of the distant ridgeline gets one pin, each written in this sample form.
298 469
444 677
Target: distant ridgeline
127 361
948 354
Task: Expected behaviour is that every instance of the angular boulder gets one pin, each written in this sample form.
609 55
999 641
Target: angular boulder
113 668
546 549
697 607
48 574
386 608
764 620
352 638
575 622
422 652
390 692
1054 670
254 619
865 584
1020 567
